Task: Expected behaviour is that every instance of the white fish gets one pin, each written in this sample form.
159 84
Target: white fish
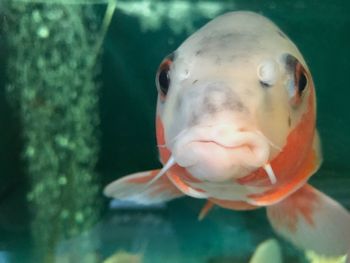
236 118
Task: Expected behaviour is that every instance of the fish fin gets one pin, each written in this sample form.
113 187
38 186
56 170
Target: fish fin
312 221
135 188
205 210
267 251
234 205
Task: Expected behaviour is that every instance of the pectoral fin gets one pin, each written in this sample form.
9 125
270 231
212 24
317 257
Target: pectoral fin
312 221
137 188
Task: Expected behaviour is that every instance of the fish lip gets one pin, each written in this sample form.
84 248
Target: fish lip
212 161
204 133
203 143
222 144
246 148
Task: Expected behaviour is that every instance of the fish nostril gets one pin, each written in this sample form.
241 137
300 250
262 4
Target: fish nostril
228 130
218 97
242 129
211 108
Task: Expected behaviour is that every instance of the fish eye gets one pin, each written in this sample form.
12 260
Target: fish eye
299 80
163 76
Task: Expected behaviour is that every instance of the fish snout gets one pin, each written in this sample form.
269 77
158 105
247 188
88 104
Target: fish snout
205 101
220 153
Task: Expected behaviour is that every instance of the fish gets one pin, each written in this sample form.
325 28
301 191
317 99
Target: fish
236 126
267 251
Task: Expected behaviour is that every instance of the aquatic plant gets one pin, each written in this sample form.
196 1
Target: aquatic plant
153 15
52 69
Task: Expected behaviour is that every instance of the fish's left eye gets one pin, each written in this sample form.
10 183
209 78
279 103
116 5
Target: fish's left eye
299 80
163 76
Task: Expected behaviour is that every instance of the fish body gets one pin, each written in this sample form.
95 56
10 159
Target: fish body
236 125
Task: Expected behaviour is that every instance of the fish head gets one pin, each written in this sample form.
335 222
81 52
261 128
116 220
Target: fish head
230 95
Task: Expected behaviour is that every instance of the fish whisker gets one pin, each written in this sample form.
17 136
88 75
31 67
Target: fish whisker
165 168
268 140
176 137
270 173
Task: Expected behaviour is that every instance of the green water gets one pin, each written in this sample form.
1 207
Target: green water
135 44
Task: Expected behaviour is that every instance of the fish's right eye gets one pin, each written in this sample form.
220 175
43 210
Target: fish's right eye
163 76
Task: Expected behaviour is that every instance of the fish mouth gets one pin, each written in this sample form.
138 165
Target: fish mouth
218 155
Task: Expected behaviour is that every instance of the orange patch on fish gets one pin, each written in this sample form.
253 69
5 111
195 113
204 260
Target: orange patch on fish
278 193
163 151
293 166
234 205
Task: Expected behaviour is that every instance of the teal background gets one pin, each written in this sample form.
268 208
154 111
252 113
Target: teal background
130 59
